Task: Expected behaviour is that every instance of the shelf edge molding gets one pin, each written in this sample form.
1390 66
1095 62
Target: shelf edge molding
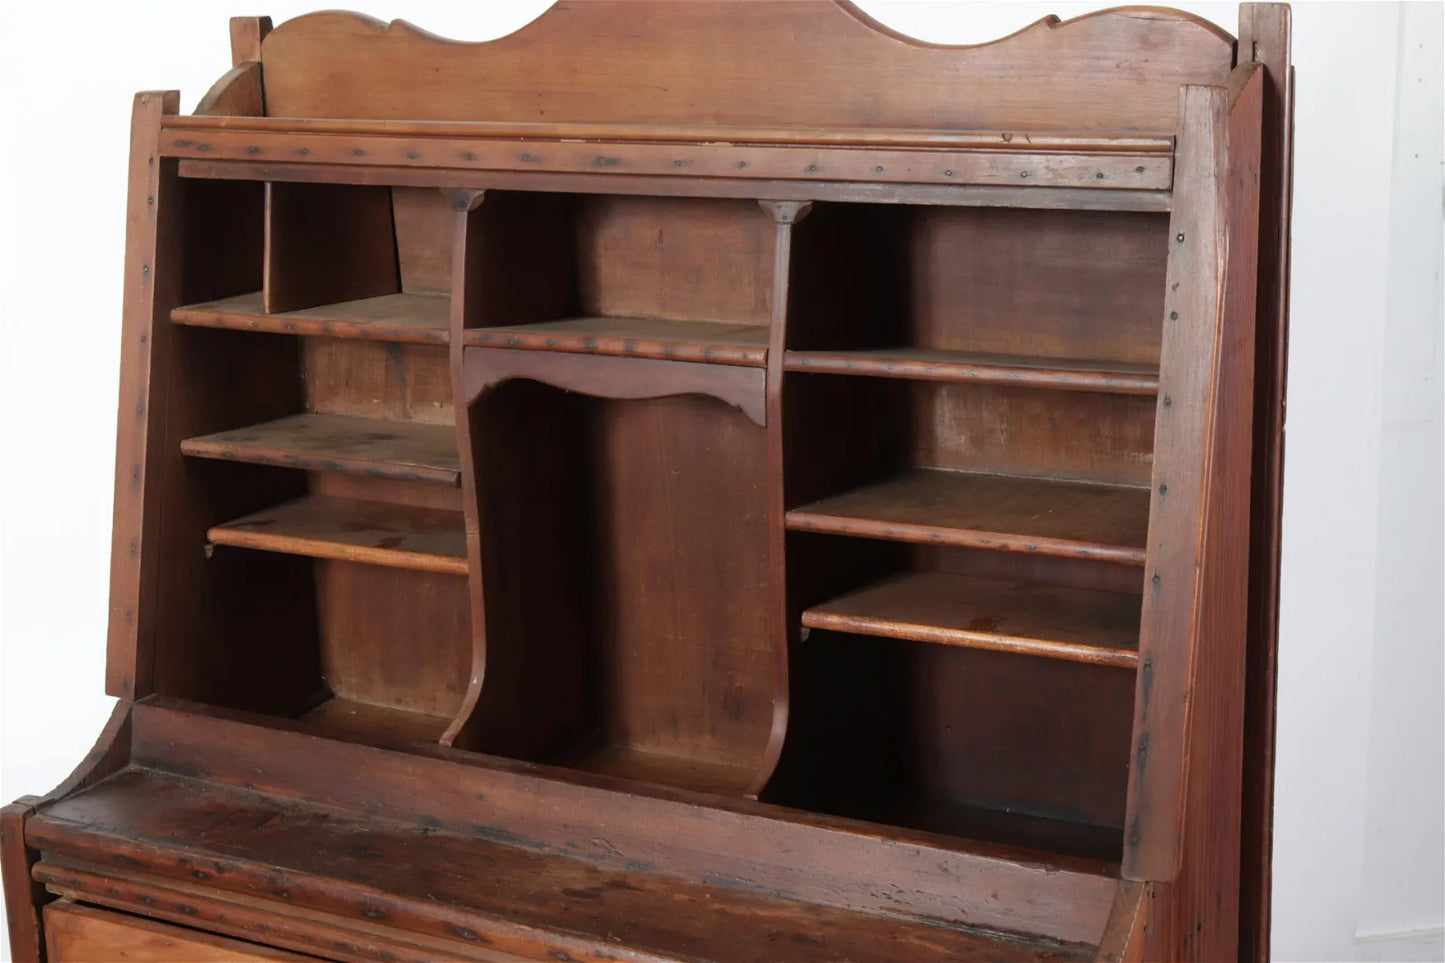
608 377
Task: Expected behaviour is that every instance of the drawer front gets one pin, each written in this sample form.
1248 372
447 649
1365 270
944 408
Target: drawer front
75 933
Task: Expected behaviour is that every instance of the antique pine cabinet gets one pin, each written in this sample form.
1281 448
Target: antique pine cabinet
691 481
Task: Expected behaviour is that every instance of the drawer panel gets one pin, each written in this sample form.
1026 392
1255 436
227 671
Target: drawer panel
75 933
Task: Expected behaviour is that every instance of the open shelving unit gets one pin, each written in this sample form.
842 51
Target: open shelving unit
768 500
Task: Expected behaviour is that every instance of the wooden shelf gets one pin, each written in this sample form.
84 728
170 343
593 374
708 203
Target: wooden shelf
930 364
1076 625
372 724
700 776
413 318
404 450
1001 512
1000 826
717 342
376 533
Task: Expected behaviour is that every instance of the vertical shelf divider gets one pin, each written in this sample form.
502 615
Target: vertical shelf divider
465 313
785 215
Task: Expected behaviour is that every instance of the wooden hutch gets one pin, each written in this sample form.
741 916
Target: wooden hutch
691 481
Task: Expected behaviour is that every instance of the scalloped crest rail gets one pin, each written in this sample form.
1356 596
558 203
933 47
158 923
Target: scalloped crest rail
691 481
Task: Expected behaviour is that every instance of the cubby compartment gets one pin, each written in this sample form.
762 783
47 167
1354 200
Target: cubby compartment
1011 469
1059 299
316 450
684 279
965 692
986 745
345 261
626 565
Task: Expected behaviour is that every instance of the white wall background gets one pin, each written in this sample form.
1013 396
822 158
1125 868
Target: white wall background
1358 854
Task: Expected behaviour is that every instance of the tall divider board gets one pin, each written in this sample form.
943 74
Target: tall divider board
692 481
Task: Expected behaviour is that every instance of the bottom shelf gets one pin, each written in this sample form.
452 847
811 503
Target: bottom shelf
676 771
1006 828
372 724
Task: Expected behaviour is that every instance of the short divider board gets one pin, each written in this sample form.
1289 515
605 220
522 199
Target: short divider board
351 530
1001 512
402 450
719 342
1072 624
932 364
415 318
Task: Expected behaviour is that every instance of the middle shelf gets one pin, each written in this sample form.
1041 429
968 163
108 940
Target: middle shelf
352 530
400 318
718 342
382 448
1074 624
1001 512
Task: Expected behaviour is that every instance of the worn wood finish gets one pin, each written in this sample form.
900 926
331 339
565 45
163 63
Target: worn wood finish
1186 920
862 192
75 933
989 511
788 852
23 897
402 450
136 520
327 243
403 318
1195 373
618 377
376 533
1107 169
415 658
246 36
932 364
717 342
823 431
238 93
405 383
533 904
1075 624
1057 141
1264 34
254 919
853 72
1123 940
373 724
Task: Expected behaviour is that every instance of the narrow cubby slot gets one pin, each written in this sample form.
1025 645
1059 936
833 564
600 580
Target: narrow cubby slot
625 546
346 261
683 279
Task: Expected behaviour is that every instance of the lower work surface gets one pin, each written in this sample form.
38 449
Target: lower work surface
294 874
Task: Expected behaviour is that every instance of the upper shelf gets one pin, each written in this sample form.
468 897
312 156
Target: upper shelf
414 318
932 364
718 342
